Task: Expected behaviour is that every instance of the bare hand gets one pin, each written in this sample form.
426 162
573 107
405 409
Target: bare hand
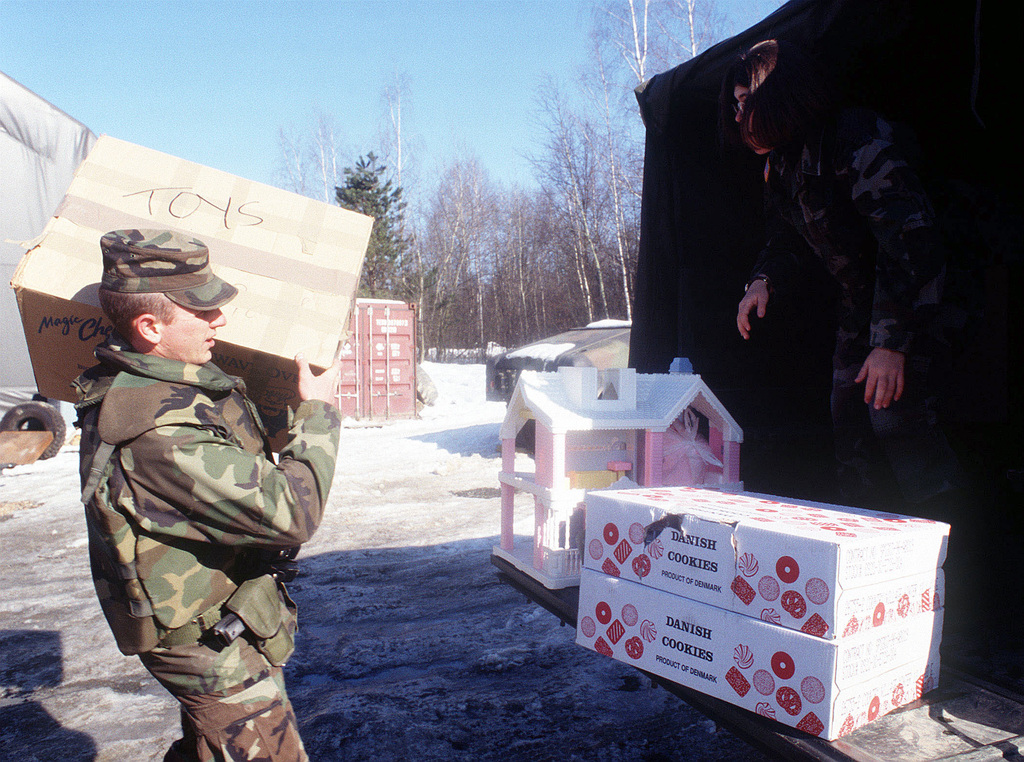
883 372
323 387
756 297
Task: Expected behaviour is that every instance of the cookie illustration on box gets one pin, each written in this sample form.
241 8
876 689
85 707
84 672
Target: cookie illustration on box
796 678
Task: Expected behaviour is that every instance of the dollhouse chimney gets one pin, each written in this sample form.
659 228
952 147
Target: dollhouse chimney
593 389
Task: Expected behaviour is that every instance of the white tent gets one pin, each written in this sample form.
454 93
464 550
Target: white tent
40 148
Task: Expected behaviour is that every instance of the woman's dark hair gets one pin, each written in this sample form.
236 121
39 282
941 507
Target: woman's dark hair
788 96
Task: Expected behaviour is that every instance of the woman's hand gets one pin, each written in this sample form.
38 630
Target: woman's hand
883 372
756 297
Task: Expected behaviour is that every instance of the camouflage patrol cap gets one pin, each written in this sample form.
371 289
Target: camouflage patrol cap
162 261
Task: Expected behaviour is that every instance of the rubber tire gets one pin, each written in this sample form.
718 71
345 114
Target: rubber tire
37 416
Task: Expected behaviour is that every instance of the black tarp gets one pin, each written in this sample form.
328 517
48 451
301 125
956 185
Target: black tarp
944 70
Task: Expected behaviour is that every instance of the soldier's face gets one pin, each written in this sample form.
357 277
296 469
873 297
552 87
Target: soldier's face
190 335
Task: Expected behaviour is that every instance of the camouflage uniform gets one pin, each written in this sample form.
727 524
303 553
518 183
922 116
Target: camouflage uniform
187 508
860 208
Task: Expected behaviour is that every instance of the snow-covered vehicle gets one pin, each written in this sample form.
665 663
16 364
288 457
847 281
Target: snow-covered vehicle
602 344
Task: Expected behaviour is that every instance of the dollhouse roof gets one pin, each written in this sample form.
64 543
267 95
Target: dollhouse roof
582 399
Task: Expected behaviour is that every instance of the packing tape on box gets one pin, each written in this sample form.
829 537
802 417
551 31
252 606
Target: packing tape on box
72 242
89 214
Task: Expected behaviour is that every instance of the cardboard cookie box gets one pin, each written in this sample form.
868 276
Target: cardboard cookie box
825 688
824 570
295 262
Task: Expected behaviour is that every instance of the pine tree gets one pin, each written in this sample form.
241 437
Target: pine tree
366 190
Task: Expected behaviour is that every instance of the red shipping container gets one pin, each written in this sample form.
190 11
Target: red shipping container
378 374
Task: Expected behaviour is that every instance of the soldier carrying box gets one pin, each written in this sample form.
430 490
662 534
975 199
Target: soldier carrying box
189 515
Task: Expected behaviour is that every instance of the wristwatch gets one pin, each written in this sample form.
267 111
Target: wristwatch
759 276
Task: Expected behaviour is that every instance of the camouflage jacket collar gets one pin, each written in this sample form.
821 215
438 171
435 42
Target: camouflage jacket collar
116 355
807 159
824 148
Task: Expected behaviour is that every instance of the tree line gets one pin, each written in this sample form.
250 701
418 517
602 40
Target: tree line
489 265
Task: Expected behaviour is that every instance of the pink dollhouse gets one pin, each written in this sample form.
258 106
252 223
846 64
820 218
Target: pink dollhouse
601 429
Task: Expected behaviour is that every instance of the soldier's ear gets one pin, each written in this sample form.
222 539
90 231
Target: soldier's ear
147 330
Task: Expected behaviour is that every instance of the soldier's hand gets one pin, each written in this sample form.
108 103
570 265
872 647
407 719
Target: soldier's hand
323 387
755 298
882 376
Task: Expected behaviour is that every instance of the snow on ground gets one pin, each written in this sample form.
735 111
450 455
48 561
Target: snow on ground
410 647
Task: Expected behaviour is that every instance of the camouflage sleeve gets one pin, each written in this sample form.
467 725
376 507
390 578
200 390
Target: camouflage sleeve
785 252
783 257
909 265
192 484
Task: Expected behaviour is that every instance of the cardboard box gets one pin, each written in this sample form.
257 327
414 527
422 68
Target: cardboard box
825 688
822 569
295 262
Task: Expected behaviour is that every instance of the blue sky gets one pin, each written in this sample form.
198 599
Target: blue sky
213 82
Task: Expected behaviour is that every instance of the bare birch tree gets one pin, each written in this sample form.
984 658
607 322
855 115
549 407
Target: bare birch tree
456 246
568 171
325 155
625 26
619 149
310 160
292 171
631 37
393 137
393 140
687 27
